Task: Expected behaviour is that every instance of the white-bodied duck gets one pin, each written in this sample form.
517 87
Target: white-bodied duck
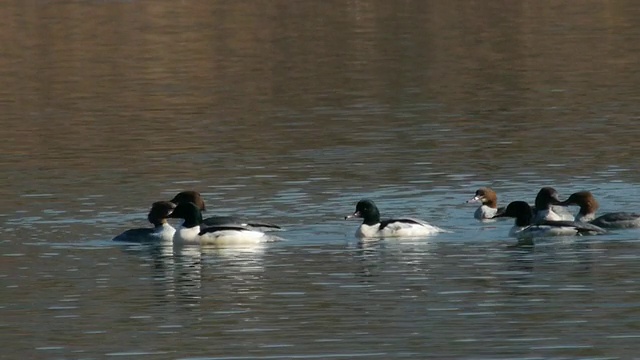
195 197
192 230
373 227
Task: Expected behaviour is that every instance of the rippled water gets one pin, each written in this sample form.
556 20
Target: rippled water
290 112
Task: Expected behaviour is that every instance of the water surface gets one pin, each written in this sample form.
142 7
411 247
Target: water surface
290 112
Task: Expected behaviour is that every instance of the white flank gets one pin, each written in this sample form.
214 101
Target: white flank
542 231
585 218
397 229
233 237
221 237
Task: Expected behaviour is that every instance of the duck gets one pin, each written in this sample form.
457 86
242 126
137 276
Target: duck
525 227
192 231
587 213
489 204
162 230
195 197
544 209
373 227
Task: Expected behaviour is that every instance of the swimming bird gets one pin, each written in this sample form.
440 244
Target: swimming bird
489 204
373 227
161 231
192 232
196 198
525 227
544 209
588 207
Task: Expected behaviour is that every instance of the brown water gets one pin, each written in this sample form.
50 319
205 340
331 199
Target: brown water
291 111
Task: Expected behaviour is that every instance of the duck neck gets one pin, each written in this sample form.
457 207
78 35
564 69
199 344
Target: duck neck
492 203
588 210
193 220
585 215
158 222
524 220
372 218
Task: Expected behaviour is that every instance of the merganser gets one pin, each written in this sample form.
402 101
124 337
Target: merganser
191 232
196 198
373 227
489 204
588 207
524 226
548 196
161 231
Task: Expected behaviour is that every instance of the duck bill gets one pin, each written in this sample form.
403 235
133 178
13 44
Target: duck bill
500 215
555 201
354 215
474 199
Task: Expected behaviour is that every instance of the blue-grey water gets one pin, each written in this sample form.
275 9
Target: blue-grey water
290 112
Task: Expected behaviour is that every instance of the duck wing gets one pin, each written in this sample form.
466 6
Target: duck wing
210 229
234 220
618 219
582 227
401 222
